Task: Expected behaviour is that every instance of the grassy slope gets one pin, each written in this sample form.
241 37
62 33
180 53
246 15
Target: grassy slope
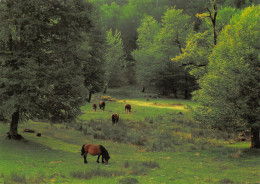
52 157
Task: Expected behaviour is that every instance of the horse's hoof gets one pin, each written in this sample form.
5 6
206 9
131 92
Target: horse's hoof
85 162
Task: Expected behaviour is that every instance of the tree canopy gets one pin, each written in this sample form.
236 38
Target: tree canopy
230 90
41 71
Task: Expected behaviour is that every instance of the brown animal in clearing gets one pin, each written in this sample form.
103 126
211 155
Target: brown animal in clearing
115 118
102 105
94 106
28 130
39 134
127 108
95 150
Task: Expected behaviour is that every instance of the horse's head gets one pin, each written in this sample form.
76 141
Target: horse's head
105 154
107 157
82 150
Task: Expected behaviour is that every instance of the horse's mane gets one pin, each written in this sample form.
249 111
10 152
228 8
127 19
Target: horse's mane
83 150
104 152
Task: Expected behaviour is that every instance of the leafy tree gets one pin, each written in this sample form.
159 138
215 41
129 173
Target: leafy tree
230 91
146 54
195 55
92 50
115 59
200 45
156 45
241 3
176 26
216 22
41 74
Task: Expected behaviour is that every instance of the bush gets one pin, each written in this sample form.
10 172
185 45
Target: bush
128 180
15 178
138 170
126 164
93 173
151 164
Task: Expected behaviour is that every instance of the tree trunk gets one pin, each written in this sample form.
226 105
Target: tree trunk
213 20
13 132
89 96
186 89
105 90
255 142
175 93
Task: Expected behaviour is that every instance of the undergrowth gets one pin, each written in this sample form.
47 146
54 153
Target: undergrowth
163 133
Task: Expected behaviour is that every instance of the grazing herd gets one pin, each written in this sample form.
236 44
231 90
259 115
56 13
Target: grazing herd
99 149
114 116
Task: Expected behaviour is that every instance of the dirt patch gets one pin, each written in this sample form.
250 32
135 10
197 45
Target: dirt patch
157 105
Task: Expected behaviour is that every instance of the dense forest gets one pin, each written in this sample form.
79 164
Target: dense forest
55 54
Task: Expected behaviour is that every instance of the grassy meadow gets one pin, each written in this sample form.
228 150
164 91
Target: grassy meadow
158 142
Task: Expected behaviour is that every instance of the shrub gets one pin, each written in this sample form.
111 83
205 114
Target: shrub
95 172
151 164
128 180
136 137
126 164
138 170
16 177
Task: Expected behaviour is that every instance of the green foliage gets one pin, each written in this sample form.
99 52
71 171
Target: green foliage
195 54
175 27
155 46
229 95
41 71
115 59
223 17
147 54
240 3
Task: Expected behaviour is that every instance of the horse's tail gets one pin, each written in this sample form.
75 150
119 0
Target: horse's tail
82 150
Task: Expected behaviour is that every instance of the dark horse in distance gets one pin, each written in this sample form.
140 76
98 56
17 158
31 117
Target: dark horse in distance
115 118
95 150
127 108
94 106
102 105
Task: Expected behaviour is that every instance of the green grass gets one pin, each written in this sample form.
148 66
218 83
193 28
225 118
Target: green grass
193 154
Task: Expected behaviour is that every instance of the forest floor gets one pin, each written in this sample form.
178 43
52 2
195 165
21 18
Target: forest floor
175 149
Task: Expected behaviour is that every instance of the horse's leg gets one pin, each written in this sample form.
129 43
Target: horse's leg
98 158
103 159
85 158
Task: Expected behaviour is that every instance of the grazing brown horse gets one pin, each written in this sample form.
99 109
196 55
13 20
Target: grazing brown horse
115 118
127 108
102 105
95 150
94 106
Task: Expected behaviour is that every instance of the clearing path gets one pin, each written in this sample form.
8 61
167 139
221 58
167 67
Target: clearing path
156 105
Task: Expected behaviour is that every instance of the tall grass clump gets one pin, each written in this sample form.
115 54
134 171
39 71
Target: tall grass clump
95 173
128 180
151 164
15 178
